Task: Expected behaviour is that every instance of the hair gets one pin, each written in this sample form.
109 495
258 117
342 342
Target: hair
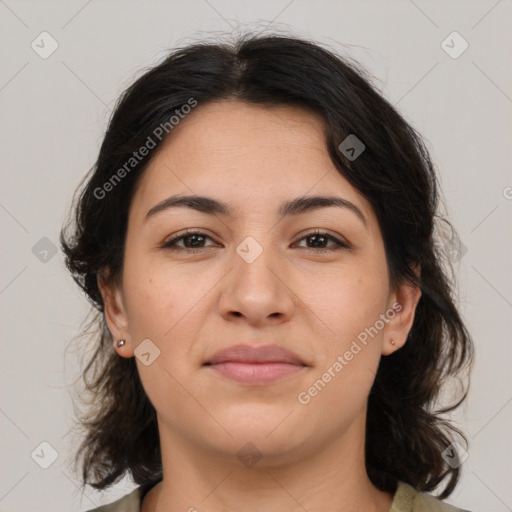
405 435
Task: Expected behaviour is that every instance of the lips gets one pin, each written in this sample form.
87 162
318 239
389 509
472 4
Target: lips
255 365
248 354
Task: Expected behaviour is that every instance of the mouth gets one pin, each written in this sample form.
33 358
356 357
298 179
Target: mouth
255 366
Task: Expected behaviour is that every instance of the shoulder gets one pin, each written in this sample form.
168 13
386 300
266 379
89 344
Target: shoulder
128 503
407 499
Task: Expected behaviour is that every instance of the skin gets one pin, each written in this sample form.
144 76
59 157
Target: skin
313 303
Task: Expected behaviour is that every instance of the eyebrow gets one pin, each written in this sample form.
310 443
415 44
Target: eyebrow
296 206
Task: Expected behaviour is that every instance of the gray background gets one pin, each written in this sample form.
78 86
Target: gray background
54 112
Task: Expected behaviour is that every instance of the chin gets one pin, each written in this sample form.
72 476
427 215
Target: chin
270 434
260 452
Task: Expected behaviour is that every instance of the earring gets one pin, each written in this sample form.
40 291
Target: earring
120 343
392 341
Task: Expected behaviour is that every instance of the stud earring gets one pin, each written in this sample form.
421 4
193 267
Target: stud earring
392 342
120 343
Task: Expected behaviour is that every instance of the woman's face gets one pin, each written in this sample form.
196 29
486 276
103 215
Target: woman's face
255 276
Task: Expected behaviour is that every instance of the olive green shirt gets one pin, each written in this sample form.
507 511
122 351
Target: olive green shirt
406 499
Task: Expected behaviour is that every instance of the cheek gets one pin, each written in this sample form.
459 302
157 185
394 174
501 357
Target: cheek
346 301
155 296
351 305
335 397
160 306
347 366
167 304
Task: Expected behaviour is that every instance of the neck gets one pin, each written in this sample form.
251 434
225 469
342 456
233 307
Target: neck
333 478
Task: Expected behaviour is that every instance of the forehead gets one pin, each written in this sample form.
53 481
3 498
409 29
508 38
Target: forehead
233 127
247 154
216 135
243 114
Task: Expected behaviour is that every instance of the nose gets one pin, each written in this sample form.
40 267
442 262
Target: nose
257 291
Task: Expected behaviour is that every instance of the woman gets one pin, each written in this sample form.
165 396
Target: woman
276 325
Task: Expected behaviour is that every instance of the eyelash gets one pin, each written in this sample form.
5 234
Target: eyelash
171 244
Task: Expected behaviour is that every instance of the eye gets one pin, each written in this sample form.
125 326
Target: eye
192 240
319 238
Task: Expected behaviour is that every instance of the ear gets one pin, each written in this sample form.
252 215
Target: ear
402 302
115 313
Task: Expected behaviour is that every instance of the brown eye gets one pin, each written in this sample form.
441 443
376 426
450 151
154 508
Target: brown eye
319 239
192 241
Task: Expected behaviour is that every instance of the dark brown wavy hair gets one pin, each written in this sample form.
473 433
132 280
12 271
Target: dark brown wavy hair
405 434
